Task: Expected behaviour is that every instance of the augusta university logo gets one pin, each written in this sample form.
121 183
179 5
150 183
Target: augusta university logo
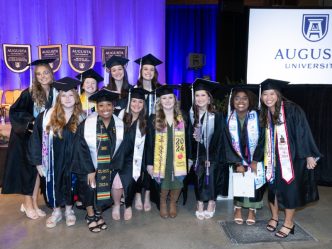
315 26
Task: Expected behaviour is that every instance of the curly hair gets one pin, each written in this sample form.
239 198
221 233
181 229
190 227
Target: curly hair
37 92
210 108
160 122
125 84
263 117
154 82
58 119
250 95
128 118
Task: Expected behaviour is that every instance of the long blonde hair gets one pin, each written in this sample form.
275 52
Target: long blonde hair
37 92
58 118
160 122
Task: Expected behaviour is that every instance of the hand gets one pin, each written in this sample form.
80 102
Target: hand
240 169
40 170
150 170
253 166
92 179
197 134
311 162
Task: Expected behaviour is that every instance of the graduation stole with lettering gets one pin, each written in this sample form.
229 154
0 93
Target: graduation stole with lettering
48 158
179 152
251 143
138 152
278 135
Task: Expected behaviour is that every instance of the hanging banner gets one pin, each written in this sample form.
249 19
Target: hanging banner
17 57
51 52
81 58
108 52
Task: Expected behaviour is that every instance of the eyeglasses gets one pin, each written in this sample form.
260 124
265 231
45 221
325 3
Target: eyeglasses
47 72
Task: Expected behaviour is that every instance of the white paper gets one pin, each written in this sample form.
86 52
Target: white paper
244 185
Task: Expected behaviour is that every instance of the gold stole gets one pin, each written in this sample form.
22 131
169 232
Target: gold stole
179 151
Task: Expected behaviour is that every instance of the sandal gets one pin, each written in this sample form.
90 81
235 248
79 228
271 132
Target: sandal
89 221
249 221
210 214
128 214
138 202
40 212
271 228
283 235
237 220
200 212
116 212
70 218
54 219
30 213
100 221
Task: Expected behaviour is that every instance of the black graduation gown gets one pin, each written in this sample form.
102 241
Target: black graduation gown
19 175
232 157
62 153
218 174
303 188
82 163
150 143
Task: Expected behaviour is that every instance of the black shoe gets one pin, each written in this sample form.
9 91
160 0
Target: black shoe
271 228
283 235
89 220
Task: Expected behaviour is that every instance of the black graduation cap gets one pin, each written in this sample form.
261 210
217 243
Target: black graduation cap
90 73
207 85
115 61
104 95
273 84
148 59
166 89
65 84
138 93
41 61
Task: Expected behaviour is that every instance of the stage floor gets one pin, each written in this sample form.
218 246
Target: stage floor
148 230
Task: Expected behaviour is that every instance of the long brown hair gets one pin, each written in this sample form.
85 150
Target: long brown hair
58 118
160 122
210 108
128 118
125 84
37 92
263 117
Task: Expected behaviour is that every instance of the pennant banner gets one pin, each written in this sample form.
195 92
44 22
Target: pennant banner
81 58
51 52
108 52
17 57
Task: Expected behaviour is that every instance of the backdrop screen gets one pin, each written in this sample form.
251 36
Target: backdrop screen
290 44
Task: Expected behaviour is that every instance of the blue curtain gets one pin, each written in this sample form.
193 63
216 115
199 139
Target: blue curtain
138 24
190 29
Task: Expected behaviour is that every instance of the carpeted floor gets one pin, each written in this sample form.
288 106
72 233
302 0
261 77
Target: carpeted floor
244 234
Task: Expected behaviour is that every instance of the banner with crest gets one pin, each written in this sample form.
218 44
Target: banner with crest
81 58
17 57
51 52
108 52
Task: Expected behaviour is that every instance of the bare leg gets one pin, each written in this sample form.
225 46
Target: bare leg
116 194
147 202
138 201
273 222
288 226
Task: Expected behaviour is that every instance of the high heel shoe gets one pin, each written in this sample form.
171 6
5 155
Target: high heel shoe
271 228
210 214
116 212
251 222
40 212
283 235
200 212
238 221
29 213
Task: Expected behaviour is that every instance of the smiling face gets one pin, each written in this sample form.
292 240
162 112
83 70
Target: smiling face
270 98
167 101
43 75
241 102
90 85
148 72
136 105
117 72
67 99
202 99
105 109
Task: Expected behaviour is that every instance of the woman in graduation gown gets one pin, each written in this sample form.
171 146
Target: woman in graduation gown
243 133
20 176
166 144
118 81
290 155
148 80
89 85
97 160
50 149
134 118
208 129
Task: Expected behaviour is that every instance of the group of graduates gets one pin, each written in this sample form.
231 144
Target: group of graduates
125 144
